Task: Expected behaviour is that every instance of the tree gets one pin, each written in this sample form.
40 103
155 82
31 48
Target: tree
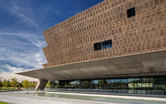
13 82
102 83
85 84
20 85
1 84
50 84
26 84
33 84
56 84
6 83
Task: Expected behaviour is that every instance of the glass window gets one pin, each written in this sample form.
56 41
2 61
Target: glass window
107 44
124 83
131 12
96 84
97 46
85 84
102 83
162 83
103 45
144 85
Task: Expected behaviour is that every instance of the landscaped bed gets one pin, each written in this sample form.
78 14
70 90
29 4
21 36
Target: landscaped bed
3 103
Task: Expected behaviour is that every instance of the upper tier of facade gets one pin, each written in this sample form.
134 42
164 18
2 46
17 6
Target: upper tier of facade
112 28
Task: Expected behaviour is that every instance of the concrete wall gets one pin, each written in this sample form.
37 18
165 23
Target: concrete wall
41 84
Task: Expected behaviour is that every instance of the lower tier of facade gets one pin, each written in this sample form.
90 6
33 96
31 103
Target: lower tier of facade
143 85
129 72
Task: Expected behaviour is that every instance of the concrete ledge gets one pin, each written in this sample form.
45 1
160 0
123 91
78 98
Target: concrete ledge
113 96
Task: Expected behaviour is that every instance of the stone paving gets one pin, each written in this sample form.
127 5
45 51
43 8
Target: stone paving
31 97
17 98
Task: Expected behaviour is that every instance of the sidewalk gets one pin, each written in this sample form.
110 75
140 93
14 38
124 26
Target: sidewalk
42 97
15 98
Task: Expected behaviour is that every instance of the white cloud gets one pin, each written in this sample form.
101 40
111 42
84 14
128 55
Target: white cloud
33 56
9 75
32 60
38 43
21 50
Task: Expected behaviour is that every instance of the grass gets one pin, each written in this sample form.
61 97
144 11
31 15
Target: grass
4 90
3 103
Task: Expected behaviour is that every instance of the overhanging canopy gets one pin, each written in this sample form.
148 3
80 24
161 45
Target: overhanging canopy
144 64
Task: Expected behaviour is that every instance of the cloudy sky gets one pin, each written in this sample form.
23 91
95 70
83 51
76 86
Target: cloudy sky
21 26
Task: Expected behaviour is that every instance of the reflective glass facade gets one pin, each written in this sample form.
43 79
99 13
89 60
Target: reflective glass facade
144 85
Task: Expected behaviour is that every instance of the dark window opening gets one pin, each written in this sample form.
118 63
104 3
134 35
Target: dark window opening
97 46
131 12
103 45
107 44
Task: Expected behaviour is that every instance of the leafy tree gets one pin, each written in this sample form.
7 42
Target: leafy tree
19 85
102 83
85 84
13 82
26 84
1 84
33 84
6 83
56 84
50 84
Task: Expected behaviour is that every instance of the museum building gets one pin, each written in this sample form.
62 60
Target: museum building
114 46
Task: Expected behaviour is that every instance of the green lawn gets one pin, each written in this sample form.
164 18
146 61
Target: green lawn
3 103
2 90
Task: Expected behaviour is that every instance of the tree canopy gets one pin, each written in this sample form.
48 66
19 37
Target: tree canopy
6 83
26 84
14 82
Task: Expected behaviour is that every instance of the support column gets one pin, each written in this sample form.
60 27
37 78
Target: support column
41 84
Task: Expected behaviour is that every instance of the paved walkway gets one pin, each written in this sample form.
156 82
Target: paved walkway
30 97
16 98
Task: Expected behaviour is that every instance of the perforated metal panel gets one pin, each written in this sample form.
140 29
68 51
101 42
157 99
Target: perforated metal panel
73 39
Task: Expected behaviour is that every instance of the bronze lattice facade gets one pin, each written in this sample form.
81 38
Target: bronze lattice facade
133 26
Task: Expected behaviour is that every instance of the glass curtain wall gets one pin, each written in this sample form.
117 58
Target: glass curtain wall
145 85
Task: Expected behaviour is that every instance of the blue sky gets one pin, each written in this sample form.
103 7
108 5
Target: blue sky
21 26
